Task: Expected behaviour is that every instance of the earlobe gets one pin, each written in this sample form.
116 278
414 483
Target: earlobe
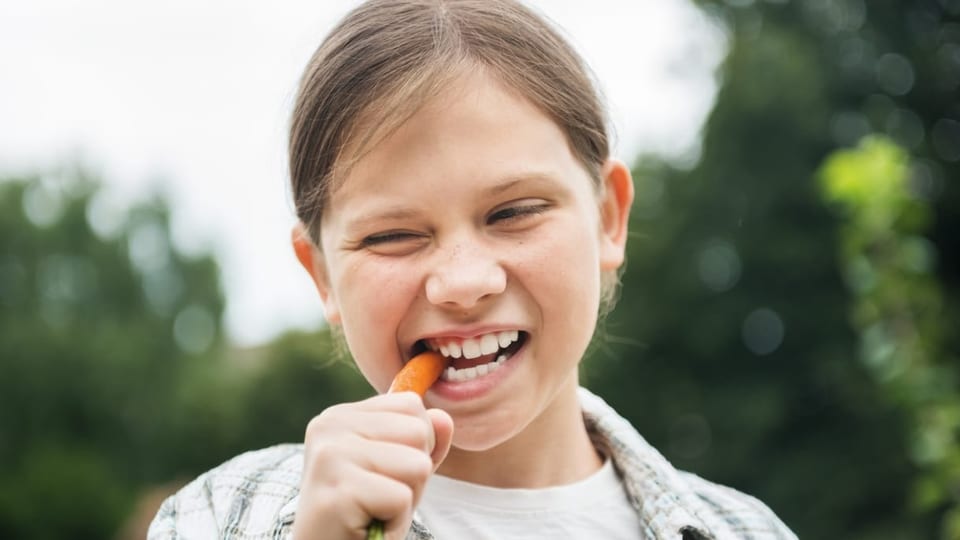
615 207
312 260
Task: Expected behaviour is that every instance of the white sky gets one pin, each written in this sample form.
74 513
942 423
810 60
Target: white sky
193 98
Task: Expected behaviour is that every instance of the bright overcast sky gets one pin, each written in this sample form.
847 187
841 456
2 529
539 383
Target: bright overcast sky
193 98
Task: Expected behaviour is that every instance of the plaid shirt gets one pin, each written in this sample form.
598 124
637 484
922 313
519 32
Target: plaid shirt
254 496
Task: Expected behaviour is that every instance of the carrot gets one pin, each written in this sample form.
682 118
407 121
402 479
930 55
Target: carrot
417 376
420 373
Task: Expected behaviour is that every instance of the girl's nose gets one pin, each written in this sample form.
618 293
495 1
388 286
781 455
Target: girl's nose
464 276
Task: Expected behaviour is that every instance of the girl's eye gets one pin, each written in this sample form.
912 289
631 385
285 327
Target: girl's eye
516 212
388 237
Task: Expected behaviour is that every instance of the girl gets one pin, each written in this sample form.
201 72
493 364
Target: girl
450 169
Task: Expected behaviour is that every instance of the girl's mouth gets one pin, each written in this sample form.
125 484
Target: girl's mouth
475 357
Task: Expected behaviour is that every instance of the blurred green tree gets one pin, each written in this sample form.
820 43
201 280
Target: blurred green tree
97 328
897 309
732 348
115 374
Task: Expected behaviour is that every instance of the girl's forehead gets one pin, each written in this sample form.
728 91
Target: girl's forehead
382 117
475 117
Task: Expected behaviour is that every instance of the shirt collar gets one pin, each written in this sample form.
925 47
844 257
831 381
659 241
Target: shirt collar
667 507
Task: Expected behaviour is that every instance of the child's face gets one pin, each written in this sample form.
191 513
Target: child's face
474 218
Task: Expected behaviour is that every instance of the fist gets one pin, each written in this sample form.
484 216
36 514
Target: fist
368 460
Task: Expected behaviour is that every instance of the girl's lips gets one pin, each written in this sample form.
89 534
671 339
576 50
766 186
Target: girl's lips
461 383
473 347
450 342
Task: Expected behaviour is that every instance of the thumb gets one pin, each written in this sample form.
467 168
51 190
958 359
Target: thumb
443 435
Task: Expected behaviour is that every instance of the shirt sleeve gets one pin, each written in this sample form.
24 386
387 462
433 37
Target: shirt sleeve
252 496
186 515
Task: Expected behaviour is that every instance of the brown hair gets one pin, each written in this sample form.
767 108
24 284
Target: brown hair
387 58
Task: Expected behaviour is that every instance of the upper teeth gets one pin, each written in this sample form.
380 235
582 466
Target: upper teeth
477 346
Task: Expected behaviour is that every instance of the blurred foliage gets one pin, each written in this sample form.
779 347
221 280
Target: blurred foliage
786 326
89 354
897 309
115 376
735 329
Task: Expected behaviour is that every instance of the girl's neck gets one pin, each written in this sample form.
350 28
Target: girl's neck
553 450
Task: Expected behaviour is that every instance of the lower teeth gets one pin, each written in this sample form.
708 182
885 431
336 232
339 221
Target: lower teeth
470 373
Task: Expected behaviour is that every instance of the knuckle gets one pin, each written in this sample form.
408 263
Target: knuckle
423 432
319 463
401 499
318 424
409 401
314 426
320 451
408 497
422 467
327 456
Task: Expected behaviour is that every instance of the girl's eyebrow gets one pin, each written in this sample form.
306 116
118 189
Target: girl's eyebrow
389 214
509 182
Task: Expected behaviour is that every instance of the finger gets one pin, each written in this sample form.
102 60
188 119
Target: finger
352 499
401 402
443 435
328 462
404 420
344 509
371 496
402 463
413 431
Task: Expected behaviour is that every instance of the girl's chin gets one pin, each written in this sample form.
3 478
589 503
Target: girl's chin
485 430
474 441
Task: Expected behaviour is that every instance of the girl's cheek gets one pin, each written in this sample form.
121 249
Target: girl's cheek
376 287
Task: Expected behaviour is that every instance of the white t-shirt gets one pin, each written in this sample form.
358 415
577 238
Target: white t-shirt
596 507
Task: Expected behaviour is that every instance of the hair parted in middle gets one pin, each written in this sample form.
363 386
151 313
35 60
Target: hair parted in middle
387 58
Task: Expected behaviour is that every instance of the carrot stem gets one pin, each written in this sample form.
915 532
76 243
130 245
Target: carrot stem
375 530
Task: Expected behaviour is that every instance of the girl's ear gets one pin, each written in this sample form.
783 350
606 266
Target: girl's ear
313 262
615 204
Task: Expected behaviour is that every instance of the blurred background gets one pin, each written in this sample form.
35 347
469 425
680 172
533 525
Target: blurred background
788 319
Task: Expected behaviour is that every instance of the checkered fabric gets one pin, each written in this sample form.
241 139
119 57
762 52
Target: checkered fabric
254 495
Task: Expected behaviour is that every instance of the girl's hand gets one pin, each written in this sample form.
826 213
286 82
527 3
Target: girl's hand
368 460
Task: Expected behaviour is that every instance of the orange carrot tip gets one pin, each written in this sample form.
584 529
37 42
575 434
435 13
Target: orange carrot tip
419 374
